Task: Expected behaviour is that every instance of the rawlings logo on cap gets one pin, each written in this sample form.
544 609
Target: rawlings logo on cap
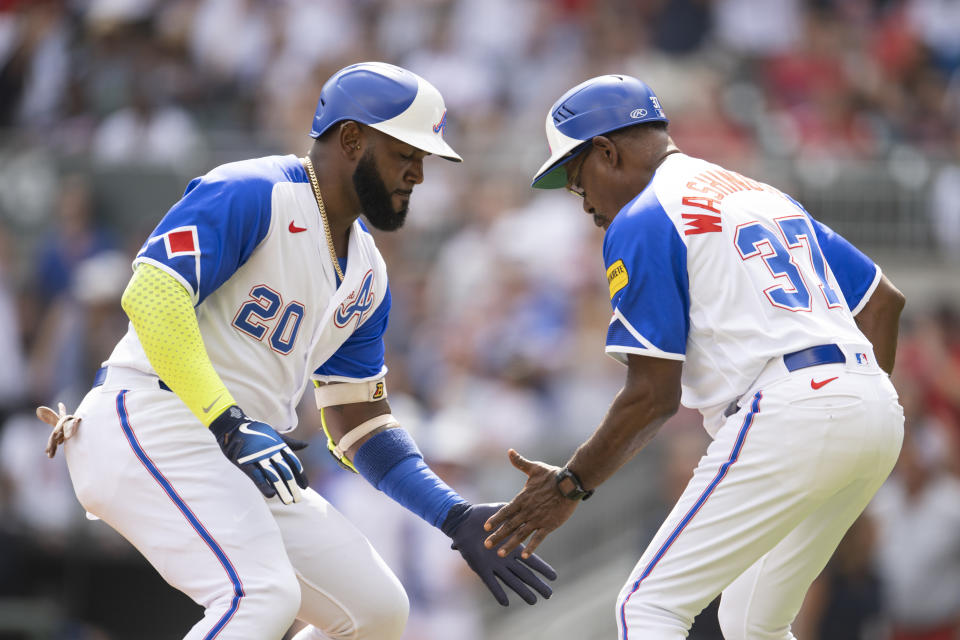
592 108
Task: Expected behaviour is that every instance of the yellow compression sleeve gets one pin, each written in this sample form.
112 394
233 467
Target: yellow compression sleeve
162 314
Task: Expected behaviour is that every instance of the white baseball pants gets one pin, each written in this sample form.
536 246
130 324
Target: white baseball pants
142 463
768 503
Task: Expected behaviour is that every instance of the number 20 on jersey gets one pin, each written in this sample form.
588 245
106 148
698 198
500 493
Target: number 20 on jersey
264 312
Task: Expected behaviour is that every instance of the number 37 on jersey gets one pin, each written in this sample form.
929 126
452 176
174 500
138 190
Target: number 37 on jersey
793 258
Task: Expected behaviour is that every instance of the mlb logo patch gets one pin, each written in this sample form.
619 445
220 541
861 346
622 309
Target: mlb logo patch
181 242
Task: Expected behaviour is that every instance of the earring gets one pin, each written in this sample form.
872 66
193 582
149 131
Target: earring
357 147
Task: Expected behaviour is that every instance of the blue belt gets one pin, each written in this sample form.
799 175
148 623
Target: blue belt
813 356
101 377
809 357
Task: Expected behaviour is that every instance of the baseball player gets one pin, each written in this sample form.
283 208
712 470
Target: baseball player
728 296
260 282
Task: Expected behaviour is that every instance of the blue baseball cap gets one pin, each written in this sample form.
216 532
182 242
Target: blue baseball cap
592 108
390 99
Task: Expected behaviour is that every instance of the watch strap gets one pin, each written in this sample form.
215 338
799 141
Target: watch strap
578 492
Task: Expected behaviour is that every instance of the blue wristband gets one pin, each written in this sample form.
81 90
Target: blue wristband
391 462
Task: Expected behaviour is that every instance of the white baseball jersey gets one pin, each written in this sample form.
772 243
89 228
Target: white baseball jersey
728 275
725 273
248 243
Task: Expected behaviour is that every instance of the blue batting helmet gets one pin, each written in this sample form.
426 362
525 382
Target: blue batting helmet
595 107
388 98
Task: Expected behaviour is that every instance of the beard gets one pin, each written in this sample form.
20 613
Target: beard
375 201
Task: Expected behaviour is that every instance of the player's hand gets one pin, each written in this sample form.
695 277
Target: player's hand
534 512
261 453
465 527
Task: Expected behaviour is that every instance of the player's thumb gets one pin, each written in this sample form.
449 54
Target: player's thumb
519 461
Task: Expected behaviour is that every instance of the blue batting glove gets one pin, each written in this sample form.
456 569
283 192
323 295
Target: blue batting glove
464 524
261 453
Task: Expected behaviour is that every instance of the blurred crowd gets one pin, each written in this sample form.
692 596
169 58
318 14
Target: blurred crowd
499 313
146 81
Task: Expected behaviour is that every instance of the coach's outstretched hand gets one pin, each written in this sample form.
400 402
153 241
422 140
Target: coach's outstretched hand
464 524
261 453
533 513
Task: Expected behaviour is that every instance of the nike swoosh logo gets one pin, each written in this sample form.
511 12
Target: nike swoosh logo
293 228
816 385
245 428
207 408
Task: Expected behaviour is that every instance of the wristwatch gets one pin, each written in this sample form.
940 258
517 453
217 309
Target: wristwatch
574 489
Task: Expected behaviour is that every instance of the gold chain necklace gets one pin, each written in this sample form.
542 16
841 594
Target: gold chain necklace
323 215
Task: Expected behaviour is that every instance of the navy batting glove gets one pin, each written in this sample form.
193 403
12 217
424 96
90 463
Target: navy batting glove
261 453
464 524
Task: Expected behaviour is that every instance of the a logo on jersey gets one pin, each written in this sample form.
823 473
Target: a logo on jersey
438 128
814 384
181 241
638 113
293 228
617 277
862 358
358 303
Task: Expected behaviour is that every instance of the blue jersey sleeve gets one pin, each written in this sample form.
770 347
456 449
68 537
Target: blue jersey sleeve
212 230
646 262
856 274
361 356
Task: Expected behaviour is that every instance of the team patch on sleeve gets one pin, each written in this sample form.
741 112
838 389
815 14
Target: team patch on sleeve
181 241
617 277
